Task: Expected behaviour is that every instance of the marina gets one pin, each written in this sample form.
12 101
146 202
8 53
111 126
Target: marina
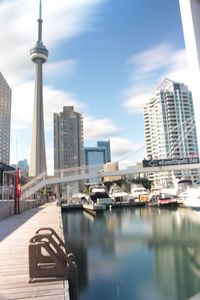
98 199
66 206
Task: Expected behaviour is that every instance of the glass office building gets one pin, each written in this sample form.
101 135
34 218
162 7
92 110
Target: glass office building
106 146
95 156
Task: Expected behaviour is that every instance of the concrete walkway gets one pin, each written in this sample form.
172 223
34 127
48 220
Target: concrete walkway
15 233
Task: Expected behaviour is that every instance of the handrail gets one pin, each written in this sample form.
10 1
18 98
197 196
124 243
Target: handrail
35 179
43 179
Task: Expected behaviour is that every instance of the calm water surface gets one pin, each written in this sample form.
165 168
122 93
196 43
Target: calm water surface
141 254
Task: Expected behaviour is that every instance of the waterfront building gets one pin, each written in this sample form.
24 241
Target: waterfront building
190 15
68 139
38 55
105 145
5 120
170 130
6 175
109 167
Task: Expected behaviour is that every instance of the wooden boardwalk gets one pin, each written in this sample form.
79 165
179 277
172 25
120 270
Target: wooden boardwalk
15 233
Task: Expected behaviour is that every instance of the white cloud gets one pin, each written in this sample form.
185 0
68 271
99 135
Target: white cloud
54 102
22 105
50 160
123 149
152 59
99 128
149 68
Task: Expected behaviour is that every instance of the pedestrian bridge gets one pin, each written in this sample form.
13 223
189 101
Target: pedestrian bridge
89 172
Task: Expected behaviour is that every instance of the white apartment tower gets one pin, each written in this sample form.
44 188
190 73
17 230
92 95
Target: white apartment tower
68 139
170 130
5 120
190 15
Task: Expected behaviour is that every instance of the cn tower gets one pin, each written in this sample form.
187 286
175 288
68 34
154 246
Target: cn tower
39 55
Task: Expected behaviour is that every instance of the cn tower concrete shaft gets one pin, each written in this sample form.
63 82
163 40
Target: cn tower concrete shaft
39 55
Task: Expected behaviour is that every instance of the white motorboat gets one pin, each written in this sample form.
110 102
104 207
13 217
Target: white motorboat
90 206
191 198
99 195
117 194
139 193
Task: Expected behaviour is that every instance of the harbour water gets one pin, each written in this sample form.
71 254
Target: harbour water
136 253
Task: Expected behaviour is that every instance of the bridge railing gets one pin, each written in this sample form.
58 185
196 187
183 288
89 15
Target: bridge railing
35 181
43 179
89 172
77 171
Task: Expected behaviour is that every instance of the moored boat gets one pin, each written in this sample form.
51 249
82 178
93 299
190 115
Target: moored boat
163 200
139 193
99 195
117 194
92 207
191 198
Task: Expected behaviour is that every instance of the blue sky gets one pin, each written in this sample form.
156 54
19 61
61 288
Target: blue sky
106 57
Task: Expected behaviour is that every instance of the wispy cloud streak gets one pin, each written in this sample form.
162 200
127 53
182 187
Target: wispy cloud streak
148 68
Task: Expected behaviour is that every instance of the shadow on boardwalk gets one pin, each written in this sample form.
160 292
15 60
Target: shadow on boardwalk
10 224
15 234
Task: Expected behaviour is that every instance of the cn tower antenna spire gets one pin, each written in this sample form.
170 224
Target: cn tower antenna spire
40 10
40 23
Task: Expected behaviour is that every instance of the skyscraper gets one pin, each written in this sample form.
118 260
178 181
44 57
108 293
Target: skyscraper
170 130
39 55
190 15
106 145
68 139
95 156
5 119
98 155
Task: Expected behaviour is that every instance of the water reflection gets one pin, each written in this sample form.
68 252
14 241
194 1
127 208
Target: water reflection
136 253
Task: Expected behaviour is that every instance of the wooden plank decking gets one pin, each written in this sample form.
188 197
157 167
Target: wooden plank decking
15 233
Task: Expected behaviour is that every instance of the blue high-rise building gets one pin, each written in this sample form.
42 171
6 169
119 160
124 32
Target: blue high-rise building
95 156
106 146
